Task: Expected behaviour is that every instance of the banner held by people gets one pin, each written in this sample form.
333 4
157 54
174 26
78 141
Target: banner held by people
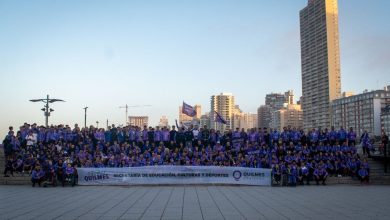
175 175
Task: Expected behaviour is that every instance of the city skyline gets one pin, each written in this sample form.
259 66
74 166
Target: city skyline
108 54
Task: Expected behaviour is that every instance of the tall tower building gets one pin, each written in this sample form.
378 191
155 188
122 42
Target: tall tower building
320 61
224 105
264 116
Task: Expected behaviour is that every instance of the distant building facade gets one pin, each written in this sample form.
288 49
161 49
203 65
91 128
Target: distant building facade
163 122
264 116
291 115
273 103
385 120
361 112
224 105
139 121
205 120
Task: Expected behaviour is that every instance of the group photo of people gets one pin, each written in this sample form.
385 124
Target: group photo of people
52 155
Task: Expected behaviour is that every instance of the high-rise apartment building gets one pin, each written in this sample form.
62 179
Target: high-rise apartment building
264 116
289 97
273 103
205 120
361 112
139 121
224 105
275 100
320 61
385 120
291 115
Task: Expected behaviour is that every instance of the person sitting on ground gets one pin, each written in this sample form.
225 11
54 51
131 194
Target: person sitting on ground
37 176
320 174
363 175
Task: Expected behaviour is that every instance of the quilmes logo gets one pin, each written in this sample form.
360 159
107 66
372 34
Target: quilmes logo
237 175
95 175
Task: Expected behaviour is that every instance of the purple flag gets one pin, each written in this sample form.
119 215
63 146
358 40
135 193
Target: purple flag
219 118
188 110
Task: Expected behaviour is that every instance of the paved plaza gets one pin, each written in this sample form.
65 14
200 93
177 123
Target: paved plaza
195 202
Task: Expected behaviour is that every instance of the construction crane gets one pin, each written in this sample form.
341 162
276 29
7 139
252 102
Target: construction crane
126 107
46 109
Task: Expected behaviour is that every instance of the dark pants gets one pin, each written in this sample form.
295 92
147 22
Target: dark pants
277 177
366 150
61 178
39 181
8 169
292 180
364 179
307 179
320 178
70 178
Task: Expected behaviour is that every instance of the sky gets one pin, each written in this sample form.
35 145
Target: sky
105 54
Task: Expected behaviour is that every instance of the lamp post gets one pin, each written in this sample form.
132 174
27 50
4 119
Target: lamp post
97 124
46 109
85 117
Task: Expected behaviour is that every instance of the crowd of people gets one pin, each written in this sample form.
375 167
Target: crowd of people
53 154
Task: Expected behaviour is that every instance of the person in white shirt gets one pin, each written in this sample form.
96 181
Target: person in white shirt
31 139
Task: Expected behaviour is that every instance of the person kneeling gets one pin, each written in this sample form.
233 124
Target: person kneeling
37 176
320 174
363 175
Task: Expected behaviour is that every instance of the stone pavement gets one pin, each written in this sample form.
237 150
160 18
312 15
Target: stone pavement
195 202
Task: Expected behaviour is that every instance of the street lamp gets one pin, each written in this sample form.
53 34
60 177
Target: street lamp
97 124
46 109
85 116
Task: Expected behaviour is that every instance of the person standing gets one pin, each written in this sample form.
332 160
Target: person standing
365 140
384 143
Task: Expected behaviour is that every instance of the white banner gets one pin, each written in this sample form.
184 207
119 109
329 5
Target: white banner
174 175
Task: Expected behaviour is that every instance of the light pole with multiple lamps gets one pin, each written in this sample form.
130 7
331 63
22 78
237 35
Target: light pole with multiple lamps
46 109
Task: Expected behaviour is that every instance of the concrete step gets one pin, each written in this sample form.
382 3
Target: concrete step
26 177
15 182
341 180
